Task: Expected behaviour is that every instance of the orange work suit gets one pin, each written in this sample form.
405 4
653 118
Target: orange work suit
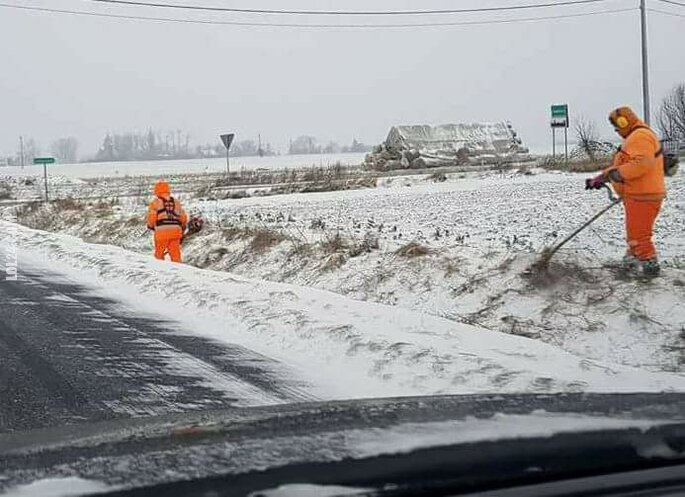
168 220
641 185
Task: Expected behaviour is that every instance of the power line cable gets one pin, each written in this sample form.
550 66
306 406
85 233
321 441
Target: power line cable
293 25
674 14
163 5
672 2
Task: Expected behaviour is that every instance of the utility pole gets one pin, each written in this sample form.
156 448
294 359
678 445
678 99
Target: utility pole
21 151
645 62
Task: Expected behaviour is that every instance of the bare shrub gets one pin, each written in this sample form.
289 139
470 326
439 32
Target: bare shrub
587 136
333 244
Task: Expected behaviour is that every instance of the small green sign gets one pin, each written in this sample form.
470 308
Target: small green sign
559 116
560 111
44 160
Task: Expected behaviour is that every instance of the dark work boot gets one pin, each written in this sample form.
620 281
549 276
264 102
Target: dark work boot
651 268
630 262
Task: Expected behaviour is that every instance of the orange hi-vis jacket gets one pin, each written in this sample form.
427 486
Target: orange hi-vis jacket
167 218
640 162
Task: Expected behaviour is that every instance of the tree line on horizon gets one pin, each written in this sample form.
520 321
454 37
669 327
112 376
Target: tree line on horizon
154 145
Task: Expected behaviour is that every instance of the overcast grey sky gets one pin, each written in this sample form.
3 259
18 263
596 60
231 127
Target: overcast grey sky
65 75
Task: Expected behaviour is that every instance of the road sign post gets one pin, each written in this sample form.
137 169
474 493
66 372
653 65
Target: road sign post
45 161
560 120
227 140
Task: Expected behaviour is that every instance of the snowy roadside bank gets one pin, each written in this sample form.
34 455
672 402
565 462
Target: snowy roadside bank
472 240
345 348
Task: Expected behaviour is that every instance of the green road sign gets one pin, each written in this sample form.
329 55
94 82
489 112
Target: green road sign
44 160
559 116
560 111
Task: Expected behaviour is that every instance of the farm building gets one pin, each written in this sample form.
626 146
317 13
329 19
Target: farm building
419 146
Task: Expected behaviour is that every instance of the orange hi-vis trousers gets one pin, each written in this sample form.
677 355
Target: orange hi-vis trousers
165 243
640 218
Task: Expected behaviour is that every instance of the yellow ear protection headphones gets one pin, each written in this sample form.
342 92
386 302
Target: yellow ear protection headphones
621 122
618 121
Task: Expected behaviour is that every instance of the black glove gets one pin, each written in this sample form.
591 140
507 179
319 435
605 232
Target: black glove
595 183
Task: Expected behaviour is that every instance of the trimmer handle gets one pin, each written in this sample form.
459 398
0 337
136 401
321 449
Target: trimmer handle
611 194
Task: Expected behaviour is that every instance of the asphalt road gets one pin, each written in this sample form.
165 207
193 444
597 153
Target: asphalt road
68 356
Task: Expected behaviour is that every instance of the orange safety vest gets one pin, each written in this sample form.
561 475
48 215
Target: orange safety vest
166 215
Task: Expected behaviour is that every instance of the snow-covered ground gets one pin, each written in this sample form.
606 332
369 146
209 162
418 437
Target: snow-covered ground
454 251
172 167
342 347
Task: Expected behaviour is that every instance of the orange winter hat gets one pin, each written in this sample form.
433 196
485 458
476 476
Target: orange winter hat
624 119
162 188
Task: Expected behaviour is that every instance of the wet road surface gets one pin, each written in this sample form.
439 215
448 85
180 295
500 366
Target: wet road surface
69 356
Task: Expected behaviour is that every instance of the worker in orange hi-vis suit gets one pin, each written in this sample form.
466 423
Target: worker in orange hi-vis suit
637 175
168 220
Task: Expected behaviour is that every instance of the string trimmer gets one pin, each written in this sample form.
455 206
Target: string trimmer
548 253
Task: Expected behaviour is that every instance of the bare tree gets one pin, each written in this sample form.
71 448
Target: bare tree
671 119
65 149
30 151
587 137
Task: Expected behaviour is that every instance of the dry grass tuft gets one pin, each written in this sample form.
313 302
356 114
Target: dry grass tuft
584 165
413 249
262 240
234 232
68 204
333 244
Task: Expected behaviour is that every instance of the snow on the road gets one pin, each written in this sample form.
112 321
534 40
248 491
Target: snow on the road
343 347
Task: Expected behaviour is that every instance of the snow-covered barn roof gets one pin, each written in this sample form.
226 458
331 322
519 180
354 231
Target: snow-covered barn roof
498 136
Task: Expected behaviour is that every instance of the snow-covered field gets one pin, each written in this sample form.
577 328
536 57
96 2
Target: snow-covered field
438 257
172 167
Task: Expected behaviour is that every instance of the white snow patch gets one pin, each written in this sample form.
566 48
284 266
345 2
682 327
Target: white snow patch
58 487
304 490
411 436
